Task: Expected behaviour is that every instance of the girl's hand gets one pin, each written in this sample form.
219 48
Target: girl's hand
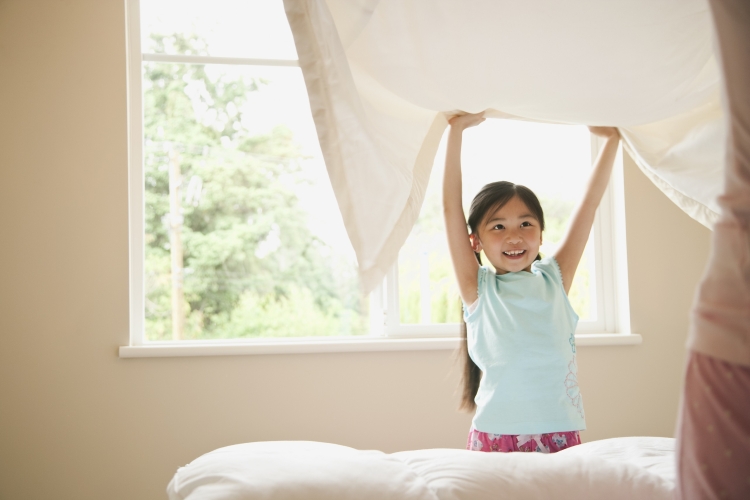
462 122
605 132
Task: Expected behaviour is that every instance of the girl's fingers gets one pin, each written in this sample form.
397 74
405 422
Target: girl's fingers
467 120
604 131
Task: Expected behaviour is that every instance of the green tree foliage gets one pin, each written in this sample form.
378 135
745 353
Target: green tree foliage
251 265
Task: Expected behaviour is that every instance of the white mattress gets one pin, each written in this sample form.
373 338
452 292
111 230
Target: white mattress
621 468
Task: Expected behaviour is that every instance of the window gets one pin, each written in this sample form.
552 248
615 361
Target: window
241 234
420 297
235 231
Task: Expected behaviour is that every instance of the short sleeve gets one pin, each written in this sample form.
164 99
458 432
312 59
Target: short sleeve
481 285
481 279
550 268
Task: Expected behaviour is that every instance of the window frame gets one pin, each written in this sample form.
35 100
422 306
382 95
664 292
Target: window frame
386 333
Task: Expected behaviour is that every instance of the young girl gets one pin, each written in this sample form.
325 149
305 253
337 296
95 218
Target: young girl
519 324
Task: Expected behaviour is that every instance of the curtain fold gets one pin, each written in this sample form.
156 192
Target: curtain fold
382 74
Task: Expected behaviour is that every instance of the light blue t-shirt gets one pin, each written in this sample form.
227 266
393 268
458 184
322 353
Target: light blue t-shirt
521 335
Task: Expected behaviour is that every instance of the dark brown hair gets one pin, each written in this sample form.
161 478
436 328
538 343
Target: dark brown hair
489 199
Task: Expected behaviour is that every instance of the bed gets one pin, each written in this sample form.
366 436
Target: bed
620 468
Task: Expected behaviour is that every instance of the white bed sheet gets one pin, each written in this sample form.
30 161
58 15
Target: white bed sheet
620 468
381 73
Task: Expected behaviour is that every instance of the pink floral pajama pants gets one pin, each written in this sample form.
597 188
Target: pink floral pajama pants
541 443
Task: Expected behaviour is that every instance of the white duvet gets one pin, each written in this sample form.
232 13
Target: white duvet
621 468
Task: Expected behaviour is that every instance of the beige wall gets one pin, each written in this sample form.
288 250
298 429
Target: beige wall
77 422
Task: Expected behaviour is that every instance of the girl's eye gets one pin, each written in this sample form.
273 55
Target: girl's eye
526 224
499 226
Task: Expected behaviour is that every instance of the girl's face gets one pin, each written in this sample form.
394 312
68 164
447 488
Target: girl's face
510 237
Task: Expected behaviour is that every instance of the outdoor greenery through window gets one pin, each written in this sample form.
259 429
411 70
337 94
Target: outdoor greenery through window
243 237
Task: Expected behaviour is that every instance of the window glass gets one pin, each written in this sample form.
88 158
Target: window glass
226 28
243 234
554 161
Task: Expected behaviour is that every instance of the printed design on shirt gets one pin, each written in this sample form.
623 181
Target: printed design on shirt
572 341
571 387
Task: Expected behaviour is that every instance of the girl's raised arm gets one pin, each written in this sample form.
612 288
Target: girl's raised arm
465 264
571 249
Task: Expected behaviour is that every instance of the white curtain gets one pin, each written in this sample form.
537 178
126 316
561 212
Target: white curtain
382 74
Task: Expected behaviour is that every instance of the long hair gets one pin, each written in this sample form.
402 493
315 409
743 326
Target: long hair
488 200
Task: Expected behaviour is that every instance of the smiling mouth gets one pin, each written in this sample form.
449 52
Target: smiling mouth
514 254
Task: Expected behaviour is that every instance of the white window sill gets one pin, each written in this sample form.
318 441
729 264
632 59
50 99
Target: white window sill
364 344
